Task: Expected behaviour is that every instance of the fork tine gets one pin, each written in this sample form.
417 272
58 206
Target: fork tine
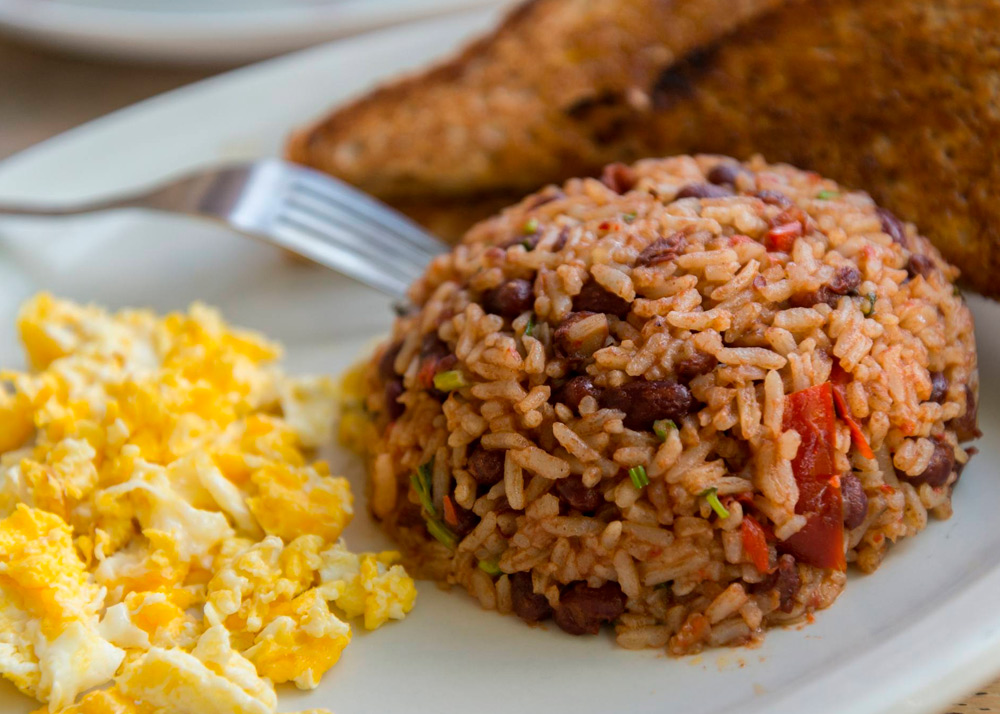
350 199
374 217
340 192
349 240
306 240
384 244
346 239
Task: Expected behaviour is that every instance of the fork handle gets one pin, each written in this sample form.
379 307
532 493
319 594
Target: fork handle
178 196
29 210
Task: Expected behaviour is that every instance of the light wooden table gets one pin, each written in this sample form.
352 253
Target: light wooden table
42 94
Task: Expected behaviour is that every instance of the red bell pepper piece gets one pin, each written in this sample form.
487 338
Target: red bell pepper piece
450 515
840 377
755 543
857 436
810 413
820 542
425 375
782 238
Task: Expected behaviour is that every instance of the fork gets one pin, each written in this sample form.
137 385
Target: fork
291 206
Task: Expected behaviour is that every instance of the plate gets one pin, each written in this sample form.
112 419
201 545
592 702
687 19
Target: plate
207 31
912 638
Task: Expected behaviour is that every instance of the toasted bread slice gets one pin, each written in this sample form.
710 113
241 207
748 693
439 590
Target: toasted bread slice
898 97
546 96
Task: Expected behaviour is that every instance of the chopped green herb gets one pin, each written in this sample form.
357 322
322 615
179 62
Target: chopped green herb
421 481
530 226
827 195
638 476
956 291
712 496
661 427
422 485
424 471
528 244
449 381
628 217
530 326
868 304
489 567
440 531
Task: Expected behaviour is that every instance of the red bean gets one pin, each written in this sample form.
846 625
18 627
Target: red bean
814 297
583 609
892 226
466 520
785 579
572 492
561 240
529 605
855 501
594 298
486 466
967 426
920 264
618 177
433 346
530 242
696 365
644 402
393 391
702 190
510 299
938 469
573 392
386 371
939 387
662 250
726 173
775 198
846 279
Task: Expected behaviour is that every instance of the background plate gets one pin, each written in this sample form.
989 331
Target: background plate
207 31
912 638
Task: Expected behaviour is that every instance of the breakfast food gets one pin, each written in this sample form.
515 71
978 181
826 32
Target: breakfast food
681 399
896 97
533 102
161 530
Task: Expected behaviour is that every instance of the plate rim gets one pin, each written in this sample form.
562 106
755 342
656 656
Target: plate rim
210 36
966 662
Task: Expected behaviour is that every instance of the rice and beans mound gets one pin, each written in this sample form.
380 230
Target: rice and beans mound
680 400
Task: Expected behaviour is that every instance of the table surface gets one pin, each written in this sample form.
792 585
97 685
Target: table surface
44 94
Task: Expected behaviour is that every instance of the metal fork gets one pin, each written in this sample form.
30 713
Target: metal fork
296 208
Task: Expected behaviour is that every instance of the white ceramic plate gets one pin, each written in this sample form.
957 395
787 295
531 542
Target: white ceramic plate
915 637
207 31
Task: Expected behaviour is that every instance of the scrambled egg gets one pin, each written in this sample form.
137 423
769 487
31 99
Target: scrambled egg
165 545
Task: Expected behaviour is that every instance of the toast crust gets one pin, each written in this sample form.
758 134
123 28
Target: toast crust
897 97
545 90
